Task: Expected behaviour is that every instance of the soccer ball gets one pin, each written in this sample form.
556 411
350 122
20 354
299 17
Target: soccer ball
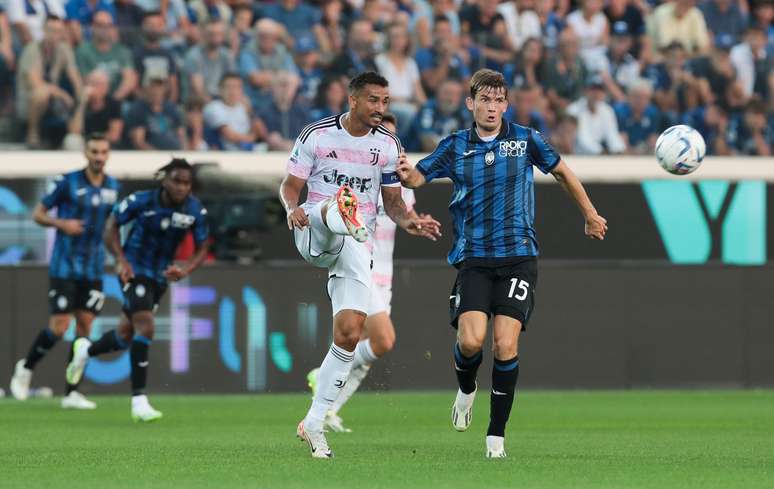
680 149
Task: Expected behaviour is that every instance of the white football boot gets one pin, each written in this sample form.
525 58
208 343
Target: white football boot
316 440
74 371
76 400
142 411
20 382
462 410
495 447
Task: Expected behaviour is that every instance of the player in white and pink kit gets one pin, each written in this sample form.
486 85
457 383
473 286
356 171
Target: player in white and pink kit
345 161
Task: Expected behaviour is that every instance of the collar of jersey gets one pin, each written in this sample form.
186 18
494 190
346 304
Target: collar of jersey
504 129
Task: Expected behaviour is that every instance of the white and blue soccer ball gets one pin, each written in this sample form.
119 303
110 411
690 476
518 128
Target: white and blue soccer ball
680 150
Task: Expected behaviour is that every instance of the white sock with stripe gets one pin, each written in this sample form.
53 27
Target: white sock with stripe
332 377
364 357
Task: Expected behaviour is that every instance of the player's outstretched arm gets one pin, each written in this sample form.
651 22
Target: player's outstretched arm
290 192
395 207
596 225
409 176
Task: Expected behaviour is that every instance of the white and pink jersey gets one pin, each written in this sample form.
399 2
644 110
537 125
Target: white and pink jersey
384 240
327 157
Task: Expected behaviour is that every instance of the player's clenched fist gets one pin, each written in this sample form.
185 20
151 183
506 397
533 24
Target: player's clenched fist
403 167
596 227
297 218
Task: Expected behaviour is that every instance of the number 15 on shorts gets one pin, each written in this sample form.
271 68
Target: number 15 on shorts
519 289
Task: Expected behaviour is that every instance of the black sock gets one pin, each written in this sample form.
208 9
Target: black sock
109 342
505 373
68 386
466 368
138 354
45 341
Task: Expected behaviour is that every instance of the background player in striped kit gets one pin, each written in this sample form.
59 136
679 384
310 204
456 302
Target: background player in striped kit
83 200
157 221
495 247
378 335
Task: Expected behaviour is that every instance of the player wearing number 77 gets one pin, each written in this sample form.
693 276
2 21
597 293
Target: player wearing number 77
495 248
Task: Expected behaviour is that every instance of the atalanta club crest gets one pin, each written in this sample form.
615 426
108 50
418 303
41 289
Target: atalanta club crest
489 158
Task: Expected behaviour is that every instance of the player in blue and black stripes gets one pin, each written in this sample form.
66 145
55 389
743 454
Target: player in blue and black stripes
155 221
495 248
83 200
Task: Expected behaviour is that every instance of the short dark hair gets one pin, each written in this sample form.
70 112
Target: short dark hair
441 19
151 13
229 76
366 78
756 106
390 118
175 164
486 78
96 136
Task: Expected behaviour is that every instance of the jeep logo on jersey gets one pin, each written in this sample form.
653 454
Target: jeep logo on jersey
374 156
182 221
339 179
513 148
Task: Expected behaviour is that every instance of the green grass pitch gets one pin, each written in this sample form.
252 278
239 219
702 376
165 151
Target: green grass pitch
563 440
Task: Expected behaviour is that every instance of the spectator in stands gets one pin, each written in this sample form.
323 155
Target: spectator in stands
529 64
565 75
712 123
175 17
678 21
154 122
242 29
623 16
358 56
638 119
620 65
80 16
597 126
151 60
438 118
110 57
521 21
228 122
400 70
523 109
28 17
332 21
309 72
332 98
716 76
484 27
128 20
47 82
763 17
564 137
425 20
206 11
593 31
96 111
301 20
194 124
676 89
284 117
7 61
445 60
551 23
753 64
205 64
723 17
264 60
749 133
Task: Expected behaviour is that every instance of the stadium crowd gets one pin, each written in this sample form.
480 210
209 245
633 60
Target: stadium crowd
596 76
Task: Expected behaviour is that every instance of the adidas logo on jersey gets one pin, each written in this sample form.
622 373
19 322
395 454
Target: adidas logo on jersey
333 155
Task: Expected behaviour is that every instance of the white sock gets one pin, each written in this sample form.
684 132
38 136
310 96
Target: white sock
334 220
139 400
333 375
364 357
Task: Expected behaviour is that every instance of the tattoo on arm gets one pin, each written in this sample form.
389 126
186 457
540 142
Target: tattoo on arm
394 205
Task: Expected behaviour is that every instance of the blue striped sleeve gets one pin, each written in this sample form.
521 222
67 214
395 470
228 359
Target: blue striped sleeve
56 192
542 154
200 229
438 164
127 209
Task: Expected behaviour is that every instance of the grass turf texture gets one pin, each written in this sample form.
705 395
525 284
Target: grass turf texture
620 440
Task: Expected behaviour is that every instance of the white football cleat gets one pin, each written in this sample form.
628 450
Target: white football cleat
142 411
495 447
333 422
348 208
462 410
74 371
76 400
316 440
20 382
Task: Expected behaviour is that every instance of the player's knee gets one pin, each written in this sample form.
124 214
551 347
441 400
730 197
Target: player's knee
470 341
505 348
59 324
383 343
143 323
347 328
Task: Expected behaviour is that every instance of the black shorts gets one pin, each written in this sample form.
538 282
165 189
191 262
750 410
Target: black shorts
500 286
68 295
142 294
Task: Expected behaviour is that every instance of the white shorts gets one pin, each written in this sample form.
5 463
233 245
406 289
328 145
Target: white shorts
381 299
348 262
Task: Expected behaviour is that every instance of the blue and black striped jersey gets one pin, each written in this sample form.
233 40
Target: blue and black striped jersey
156 231
74 197
493 204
